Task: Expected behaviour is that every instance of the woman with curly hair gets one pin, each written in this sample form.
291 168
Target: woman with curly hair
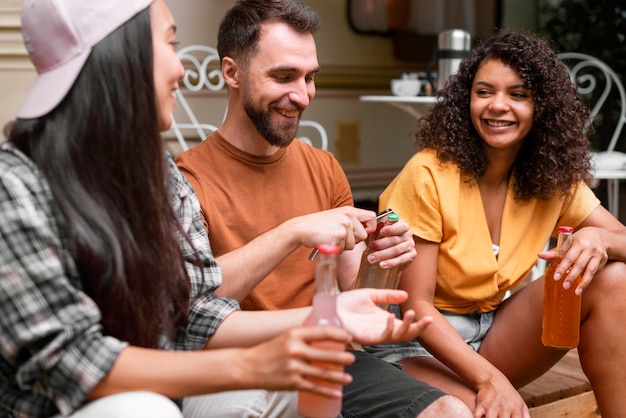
504 162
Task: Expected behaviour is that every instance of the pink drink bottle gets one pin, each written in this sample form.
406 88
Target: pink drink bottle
324 312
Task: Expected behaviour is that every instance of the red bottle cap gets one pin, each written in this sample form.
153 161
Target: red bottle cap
329 249
566 229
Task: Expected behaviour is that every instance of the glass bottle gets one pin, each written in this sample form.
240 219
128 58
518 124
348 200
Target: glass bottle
373 275
561 307
324 312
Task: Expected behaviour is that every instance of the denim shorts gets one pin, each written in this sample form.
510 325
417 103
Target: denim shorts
472 327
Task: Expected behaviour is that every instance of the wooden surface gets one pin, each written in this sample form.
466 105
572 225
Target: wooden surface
564 391
579 406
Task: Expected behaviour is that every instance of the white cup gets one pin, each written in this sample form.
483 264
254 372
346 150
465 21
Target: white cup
405 86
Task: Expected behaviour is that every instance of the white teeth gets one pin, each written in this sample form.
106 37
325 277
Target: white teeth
499 123
289 114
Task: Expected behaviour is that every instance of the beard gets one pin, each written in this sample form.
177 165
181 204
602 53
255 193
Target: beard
277 134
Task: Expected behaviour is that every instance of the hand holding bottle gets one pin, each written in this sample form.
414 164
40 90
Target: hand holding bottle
373 275
587 254
290 361
324 313
391 243
561 305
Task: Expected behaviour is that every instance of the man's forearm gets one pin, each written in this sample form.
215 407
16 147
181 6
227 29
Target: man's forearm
244 268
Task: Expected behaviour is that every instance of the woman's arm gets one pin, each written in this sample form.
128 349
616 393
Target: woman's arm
443 341
597 240
357 309
393 247
279 364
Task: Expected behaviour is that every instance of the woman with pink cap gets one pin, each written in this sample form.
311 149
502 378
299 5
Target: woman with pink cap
107 278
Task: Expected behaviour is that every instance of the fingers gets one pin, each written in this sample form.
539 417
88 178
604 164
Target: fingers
547 255
310 358
325 360
364 216
323 381
386 296
580 264
319 334
343 226
410 328
395 247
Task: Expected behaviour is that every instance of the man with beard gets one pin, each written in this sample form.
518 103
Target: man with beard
273 198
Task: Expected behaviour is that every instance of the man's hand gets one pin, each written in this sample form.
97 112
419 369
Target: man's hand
368 324
344 226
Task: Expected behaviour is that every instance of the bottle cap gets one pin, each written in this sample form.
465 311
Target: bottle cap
566 229
329 249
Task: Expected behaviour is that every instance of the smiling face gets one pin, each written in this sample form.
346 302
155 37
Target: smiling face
167 67
278 83
500 107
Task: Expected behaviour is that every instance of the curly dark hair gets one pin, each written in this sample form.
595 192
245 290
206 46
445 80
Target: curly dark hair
556 153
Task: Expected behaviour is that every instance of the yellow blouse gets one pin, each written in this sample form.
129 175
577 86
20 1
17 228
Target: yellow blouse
442 205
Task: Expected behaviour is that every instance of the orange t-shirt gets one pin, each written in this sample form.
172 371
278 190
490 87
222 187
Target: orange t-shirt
243 196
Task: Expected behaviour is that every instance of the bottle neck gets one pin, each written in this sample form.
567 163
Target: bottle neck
563 243
324 300
326 274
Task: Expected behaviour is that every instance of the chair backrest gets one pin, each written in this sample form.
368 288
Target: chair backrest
310 126
596 79
202 71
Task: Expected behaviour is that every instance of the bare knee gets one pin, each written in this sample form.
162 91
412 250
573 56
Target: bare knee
130 405
613 273
611 280
447 406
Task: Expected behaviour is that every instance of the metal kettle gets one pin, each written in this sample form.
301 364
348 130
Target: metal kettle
452 46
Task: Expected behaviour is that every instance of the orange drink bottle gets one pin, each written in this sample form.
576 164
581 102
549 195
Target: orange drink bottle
372 275
324 312
561 307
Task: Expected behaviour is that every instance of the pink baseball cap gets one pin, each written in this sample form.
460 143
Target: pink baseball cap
59 36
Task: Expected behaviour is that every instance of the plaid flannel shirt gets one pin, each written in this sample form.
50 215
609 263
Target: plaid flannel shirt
52 347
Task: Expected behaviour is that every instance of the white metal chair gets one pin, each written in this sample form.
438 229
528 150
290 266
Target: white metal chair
202 71
596 79
609 165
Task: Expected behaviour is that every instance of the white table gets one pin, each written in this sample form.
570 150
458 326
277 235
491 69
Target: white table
415 106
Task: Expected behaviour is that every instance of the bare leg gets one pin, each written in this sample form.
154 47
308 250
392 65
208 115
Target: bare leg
602 346
513 345
432 371
447 406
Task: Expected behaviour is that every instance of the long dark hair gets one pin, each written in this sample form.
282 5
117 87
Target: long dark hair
101 152
556 153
